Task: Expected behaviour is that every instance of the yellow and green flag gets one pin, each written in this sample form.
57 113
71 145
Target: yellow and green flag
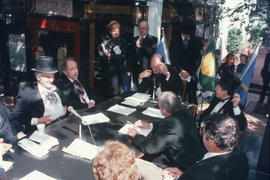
208 69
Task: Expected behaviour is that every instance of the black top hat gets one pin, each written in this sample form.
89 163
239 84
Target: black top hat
228 81
44 64
188 26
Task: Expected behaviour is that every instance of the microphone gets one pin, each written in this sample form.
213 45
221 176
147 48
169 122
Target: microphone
72 110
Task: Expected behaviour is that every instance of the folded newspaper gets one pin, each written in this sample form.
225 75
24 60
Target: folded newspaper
144 132
95 119
82 149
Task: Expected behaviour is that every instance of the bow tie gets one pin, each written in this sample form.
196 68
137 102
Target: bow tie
51 97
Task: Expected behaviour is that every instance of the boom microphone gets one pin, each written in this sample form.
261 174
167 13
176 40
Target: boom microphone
72 110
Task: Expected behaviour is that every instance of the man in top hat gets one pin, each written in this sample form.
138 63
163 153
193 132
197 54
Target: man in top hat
38 103
185 54
226 101
76 92
141 51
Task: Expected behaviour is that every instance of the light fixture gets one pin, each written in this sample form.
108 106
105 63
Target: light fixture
139 11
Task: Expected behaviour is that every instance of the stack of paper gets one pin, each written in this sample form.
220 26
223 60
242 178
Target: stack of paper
36 175
95 119
44 140
6 165
121 109
82 149
33 148
38 143
144 132
136 99
153 113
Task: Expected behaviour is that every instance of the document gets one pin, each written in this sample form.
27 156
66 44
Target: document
82 149
136 99
132 102
45 141
95 119
36 175
33 148
144 132
121 109
6 165
142 96
153 113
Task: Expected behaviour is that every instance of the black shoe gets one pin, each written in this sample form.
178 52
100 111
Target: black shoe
260 101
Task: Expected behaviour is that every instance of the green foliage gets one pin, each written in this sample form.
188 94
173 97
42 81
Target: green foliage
234 41
255 35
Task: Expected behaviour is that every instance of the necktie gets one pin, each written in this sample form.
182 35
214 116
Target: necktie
79 90
186 42
139 42
51 97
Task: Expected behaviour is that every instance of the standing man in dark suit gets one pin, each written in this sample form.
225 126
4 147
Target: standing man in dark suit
176 136
225 101
38 103
185 54
160 77
265 74
222 161
75 91
142 49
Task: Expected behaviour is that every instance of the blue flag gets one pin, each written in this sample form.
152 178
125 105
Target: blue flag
246 76
162 49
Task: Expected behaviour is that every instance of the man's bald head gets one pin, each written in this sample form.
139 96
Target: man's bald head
143 28
155 63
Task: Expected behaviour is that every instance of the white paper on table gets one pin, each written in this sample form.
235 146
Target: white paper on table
142 96
82 149
33 148
144 132
95 118
6 165
121 109
44 140
132 102
153 113
36 175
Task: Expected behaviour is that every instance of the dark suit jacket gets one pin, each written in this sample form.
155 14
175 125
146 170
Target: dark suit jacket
29 104
174 83
188 58
176 137
233 166
5 128
70 97
227 109
139 58
264 72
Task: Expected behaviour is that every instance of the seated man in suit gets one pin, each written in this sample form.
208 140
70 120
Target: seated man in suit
75 92
160 78
175 138
226 101
5 129
222 161
38 103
